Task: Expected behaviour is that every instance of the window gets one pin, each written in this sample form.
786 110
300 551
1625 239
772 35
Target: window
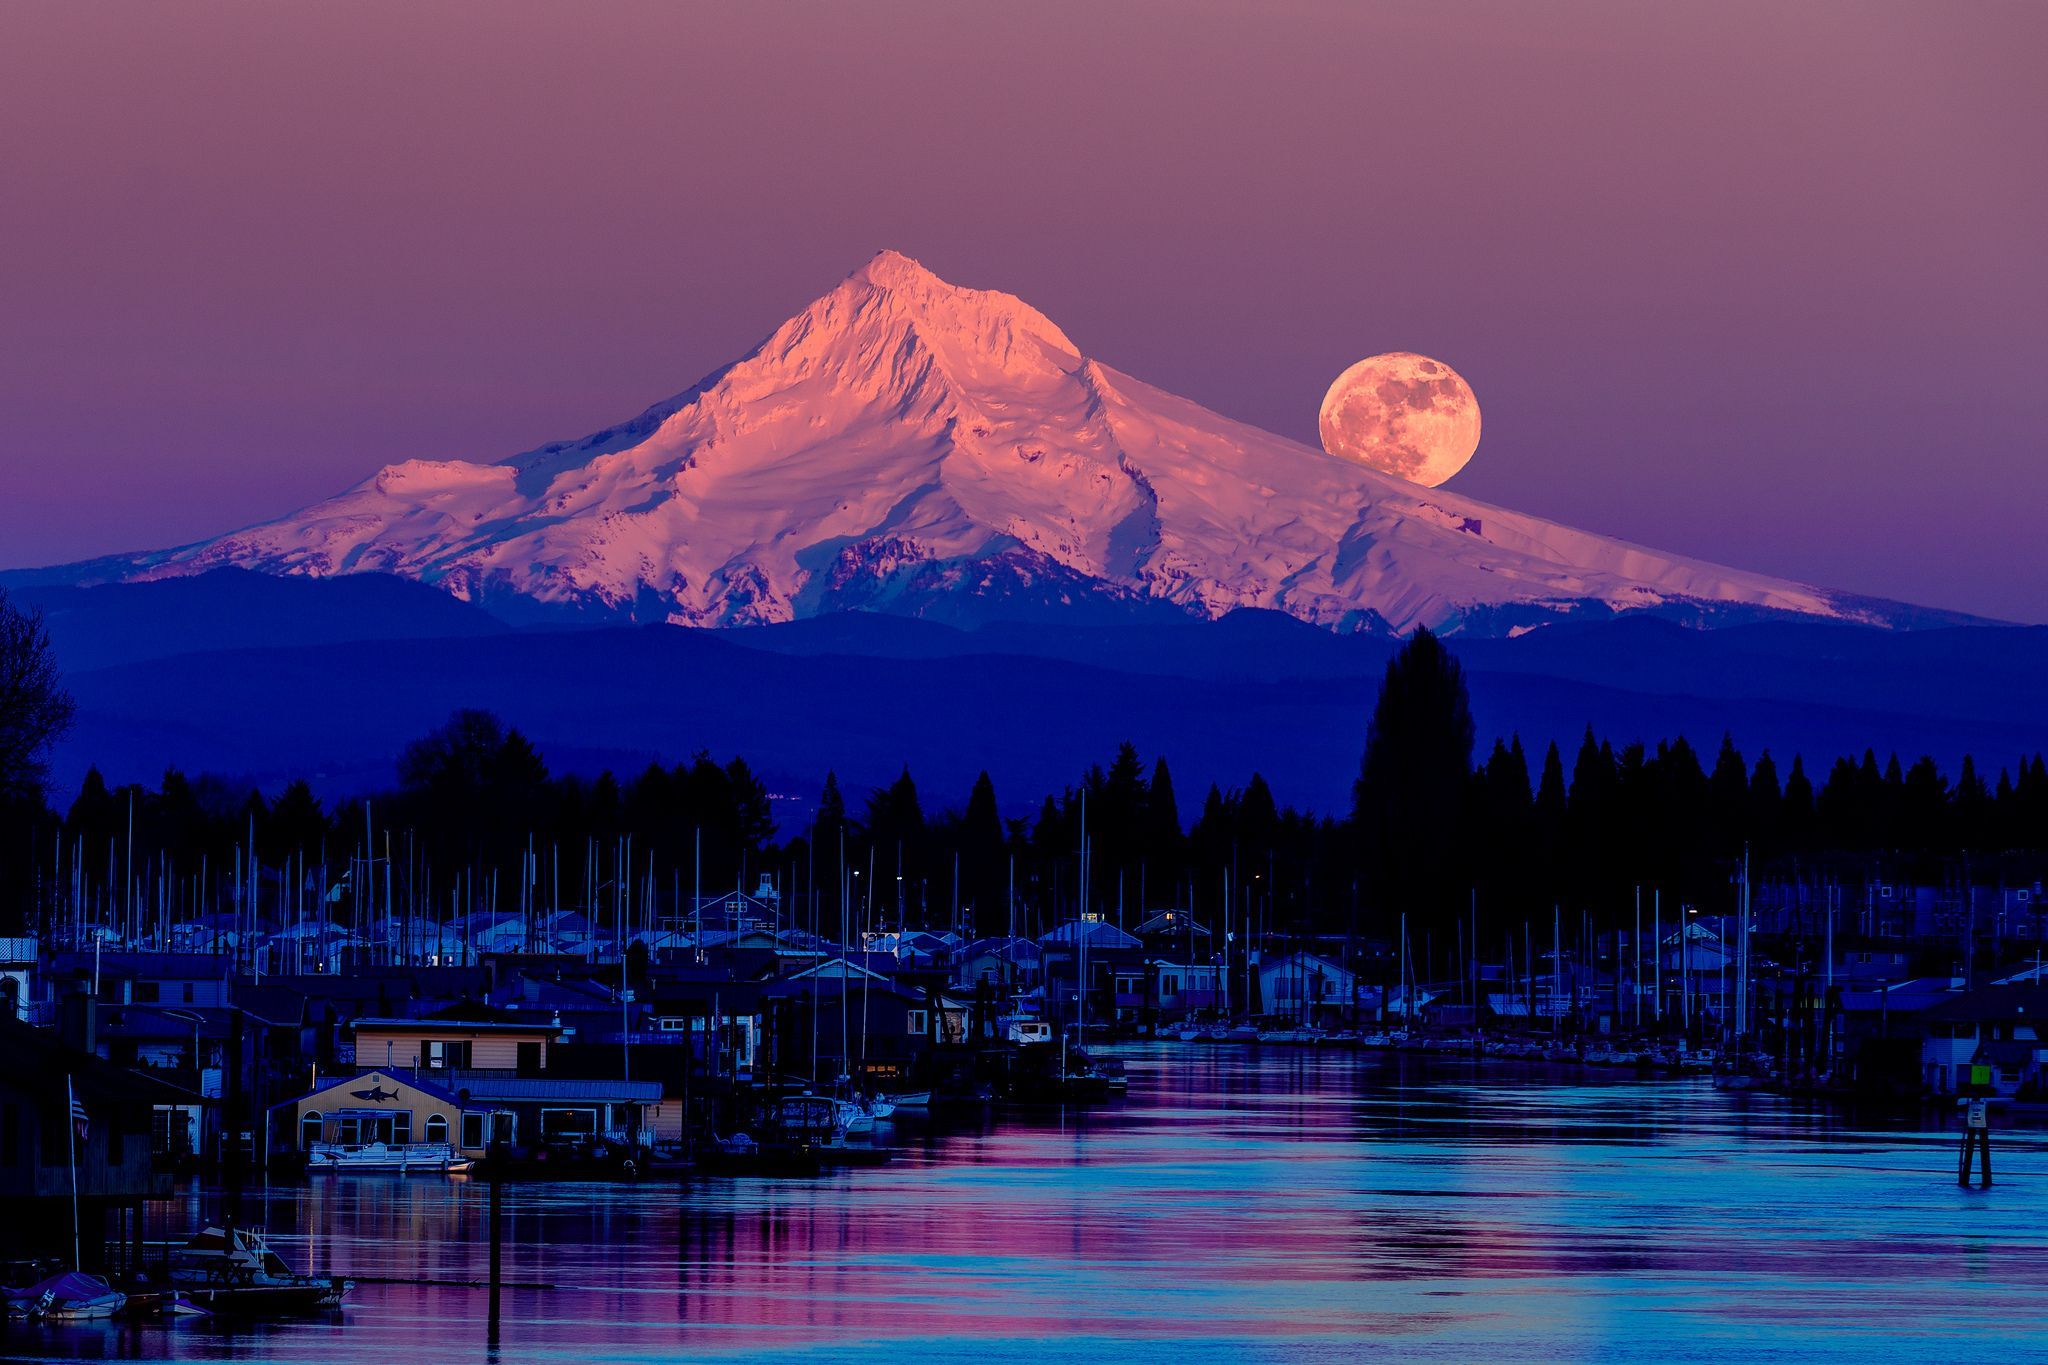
1170 986
401 1127
162 1134
557 1124
529 1058
442 1056
146 992
437 1128
349 1131
472 1131
310 1127
671 1023
916 1022
188 992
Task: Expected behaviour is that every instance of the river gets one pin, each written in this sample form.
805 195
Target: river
1239 1205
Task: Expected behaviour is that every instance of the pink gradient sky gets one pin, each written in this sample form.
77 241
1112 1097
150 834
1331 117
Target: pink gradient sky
1762 283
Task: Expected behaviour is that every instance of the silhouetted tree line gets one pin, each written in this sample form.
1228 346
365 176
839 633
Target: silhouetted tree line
1435 831
1441 833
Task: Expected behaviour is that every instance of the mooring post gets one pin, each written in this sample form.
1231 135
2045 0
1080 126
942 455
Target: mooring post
496 1151
1976 1139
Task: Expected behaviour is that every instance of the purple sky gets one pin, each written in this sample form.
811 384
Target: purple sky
1761 283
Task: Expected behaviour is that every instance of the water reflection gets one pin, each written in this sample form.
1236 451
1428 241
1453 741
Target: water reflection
1239 1205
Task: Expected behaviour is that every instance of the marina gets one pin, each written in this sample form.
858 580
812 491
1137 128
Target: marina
702 683
1259 1202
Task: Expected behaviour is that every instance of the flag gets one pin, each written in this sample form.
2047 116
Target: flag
80 1120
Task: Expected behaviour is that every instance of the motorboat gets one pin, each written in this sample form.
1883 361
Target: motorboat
855 1119
70 1296
1294 1037
404 1158
912 1099
232 1271
1029 1032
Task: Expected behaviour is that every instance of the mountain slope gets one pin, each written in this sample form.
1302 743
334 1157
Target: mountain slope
908 446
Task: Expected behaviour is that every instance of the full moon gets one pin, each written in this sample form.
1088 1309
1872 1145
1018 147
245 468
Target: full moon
1402 414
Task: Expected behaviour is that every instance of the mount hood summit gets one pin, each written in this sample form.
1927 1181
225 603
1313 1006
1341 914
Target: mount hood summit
908 446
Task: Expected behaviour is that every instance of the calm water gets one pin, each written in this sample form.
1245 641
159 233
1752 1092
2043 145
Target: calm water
1240 1205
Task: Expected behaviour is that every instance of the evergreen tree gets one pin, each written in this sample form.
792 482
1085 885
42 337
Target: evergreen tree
1163 834
1886 801
896 831
1797 814
1766 805
298 823
753 813
1846 818
831 810
984 862
1410 796
1970 824
1728 791
1925 807
1590 814
1551 803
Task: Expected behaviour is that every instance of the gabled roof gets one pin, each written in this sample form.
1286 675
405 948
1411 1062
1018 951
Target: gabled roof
1994 1002
375 1078
1097 933
1010 949
832 987
1173 921
834 969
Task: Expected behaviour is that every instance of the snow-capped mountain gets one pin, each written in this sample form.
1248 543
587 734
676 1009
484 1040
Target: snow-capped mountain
903 444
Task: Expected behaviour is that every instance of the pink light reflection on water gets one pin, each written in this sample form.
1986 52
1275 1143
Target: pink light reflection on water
1238 1205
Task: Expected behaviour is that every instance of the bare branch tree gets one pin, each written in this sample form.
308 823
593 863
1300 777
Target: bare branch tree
34 707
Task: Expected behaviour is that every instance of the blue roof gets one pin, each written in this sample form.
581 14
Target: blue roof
513 1088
